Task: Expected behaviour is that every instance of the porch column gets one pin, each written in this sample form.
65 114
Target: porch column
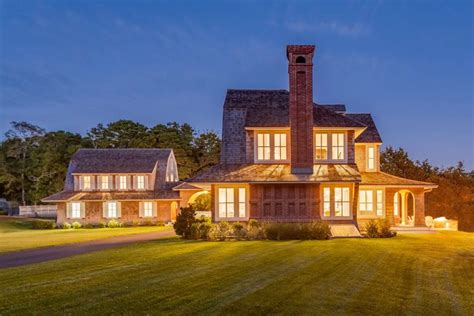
419 208
404 205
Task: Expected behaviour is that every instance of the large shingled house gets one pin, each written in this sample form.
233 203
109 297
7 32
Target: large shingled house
124 184
286 158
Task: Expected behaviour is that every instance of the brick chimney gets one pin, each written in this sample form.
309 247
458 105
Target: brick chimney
300 71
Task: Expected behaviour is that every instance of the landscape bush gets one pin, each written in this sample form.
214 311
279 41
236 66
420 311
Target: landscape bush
101 225
113 224
255 230
379 228
221 231
239 231
127 224
66 226
42 224
76 225
88 225
372 229
3 212
297 231
184 221
147 222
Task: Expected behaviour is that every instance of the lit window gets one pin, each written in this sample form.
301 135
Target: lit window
321 146
112 209
75 210
141 182
122 182
396 206
337 146
280 147
379 202
263 146
86 182
366 201
370 158
104 182
242 203
226 202
327 201
341 202
147 209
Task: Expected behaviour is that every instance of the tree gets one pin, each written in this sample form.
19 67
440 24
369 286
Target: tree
120 134
24 137
207 149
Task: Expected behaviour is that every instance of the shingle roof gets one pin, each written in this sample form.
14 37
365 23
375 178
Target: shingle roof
382 178
118 160
276 173
161 194
370 134
270 108
186 186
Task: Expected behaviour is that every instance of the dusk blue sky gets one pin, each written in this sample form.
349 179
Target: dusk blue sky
73 64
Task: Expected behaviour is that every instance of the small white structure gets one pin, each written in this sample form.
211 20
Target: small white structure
48 211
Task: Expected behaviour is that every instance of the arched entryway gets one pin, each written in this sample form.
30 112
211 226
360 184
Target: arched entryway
202 203
404 208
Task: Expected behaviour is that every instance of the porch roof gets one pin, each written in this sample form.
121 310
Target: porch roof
65 196
382 178
254 173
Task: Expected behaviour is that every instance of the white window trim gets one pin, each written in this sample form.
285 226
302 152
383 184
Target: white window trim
272 159
84 182
120 177
144 182
374 207
116 209
329 146
101 177
72 210
374 158
236 202
333 202
144 209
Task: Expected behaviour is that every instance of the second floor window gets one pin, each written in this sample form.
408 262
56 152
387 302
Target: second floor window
122 182
371 158
104 182
330 146
271 146
86 182
141 182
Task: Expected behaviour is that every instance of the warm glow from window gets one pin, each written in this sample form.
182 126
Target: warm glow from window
327 201
280 146
371 158
242 203
341 202
141 182
147 209
321 146
75 210
104 182
86 182
122 182
226 202
396 206
337 146
263 146
379 202
112 209
366 201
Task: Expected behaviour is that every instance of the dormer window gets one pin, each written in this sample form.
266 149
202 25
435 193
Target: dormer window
370 158
86 183
330 146
271 146
122 182
140 182
104 182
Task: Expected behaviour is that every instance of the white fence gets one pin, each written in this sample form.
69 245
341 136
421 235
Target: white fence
38 210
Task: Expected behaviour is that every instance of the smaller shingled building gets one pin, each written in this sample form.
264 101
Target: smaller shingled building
123 184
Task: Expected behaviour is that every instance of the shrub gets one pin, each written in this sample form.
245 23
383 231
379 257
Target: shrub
239 231
160 223
76 225
113 224
372 229
255 230
3 212
66 226
127 224
221 231
195 231
42 224
88 225
101 225
320 230
184 221
135 223
147 222
384 228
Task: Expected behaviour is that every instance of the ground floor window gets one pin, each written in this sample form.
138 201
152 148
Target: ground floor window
111 209
147 209
336 201
76 210
231 202
371 202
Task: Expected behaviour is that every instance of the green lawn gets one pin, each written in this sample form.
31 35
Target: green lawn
15 234
409 274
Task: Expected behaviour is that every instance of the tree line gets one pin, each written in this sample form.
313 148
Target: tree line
33 162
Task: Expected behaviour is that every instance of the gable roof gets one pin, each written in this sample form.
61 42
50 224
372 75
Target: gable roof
370 134
382 178
110 160
270 108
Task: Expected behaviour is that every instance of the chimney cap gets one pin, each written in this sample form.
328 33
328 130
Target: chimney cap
299 49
